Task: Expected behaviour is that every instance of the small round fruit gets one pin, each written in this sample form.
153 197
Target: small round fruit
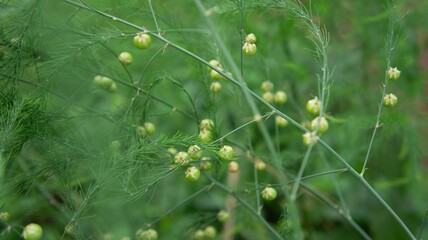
206 124
281 122
206 136
269 193
215 75
266 86
172 151
310 138
268 97
393 73
215 87
214 63
313 106
192 174
251 38
260 165
280 97
210 232
195 152
223 216
149 234
205 164
125 58
32 231
319 123
181 158
233 167
226 153
104 83
150 128
249 49
142 40
199 234
390 100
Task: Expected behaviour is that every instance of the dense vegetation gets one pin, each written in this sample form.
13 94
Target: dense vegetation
255 119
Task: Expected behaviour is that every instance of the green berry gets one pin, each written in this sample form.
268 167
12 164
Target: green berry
172 151
223 216
104 83
251 38
266 86
215 75
268 97
310 138
280 97
205 164
226 153
313 106
390 100
205 136
260 165
149 234
249 49
195 152
199 234
142 40
32 231
192 174
150 128
214 63
182 158
125 58
269 193
393 73
233 167
281 122
206 124
210 232
319 123
215 87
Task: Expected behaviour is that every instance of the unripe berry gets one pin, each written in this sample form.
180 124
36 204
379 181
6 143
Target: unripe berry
215 87
214 63
268 97
210 232
206 136
215 75
206 124
251 38
233 167
5 216
32 231
226 153
390 100
172 151
192 174
150 128
205 164
249 49
309 138
281 122
319 123
269 193
223 216
280 97
149 234
313 106
195 152
104 83
199 234
125 58
260 165
266 86
181 158
393 73
142 40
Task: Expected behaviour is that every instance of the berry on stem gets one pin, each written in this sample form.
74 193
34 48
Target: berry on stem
281 122
195 152
32 231
125 58
233 167
319 123
192 174
280 97
223 216
310 138
313 106
249 49
226 153
390 100
149 234
266 86
251 38
393 73
215 87
269 193
268 97
142 40
181 158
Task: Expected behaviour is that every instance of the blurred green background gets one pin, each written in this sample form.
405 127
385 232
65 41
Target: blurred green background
59 167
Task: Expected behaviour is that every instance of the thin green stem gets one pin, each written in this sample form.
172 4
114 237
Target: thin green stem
421 230
154 16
